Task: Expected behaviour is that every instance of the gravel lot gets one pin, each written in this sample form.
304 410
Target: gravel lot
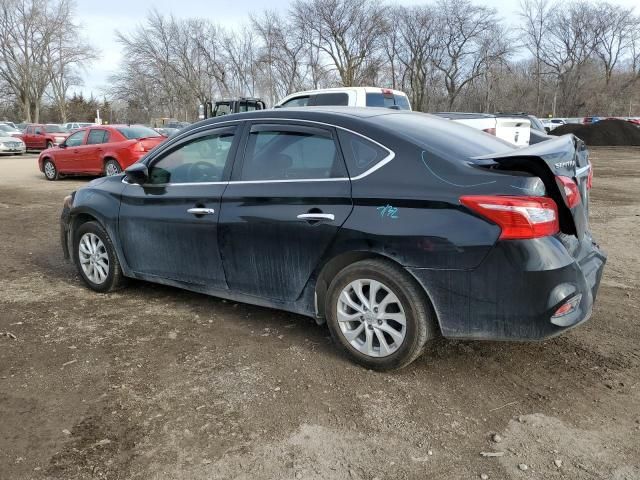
153 382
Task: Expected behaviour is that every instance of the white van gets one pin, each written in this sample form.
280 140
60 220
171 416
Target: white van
348 97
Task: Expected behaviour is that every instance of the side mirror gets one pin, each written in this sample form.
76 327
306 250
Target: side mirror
63 145
137 173
547 129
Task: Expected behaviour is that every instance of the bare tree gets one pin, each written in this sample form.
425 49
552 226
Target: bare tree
536 18
615 26
36 38
417 29
282 55
470 40
348 32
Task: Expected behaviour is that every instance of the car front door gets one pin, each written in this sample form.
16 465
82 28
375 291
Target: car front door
168 226
68 157
27 137
288 197
39 137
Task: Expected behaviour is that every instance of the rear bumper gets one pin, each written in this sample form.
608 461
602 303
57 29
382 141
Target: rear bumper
515 291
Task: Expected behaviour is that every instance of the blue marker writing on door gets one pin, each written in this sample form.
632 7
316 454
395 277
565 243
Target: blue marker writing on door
388 211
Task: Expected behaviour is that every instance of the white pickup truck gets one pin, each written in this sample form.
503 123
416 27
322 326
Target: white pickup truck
516 130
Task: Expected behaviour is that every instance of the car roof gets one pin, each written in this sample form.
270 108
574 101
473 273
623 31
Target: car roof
345 89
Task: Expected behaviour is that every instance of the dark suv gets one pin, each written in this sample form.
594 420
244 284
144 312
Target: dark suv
391 226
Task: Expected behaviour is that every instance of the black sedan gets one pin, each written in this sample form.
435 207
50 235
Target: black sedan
392 227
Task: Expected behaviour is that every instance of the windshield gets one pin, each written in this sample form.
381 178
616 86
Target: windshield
133 132
54 129
7 128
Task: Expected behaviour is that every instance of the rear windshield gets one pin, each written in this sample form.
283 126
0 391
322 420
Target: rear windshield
54 129
387 100
137 131
443 137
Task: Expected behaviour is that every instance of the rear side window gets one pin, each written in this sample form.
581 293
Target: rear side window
290 154
322 99
387 100
97 136
360 154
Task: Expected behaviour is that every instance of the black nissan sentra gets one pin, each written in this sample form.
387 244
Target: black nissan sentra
392 227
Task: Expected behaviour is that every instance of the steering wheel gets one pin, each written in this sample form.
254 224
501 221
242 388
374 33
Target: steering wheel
202 172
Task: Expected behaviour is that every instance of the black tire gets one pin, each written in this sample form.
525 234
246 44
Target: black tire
113 166
114 278
421 323
49 145
50 170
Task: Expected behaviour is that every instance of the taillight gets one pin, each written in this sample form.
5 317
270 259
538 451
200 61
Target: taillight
491 131
518 217
590 177
570 189
139 147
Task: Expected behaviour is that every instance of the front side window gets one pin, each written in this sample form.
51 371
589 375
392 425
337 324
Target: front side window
200 160
75 140
296 102
290 154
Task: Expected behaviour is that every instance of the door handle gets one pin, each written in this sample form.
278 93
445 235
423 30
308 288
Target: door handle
201 211
317 216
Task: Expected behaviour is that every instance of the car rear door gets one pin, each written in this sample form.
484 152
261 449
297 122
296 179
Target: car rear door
168 227
92 152
288 197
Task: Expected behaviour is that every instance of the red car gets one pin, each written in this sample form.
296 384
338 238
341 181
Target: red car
99 150
39 137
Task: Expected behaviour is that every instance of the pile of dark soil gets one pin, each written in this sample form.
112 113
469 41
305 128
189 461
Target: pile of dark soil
605 133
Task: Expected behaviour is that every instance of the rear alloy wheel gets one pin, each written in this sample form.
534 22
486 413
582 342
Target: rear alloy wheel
49 145
379 314
96 259
50 170
112 168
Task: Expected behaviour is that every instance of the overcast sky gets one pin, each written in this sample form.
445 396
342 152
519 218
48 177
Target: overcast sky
100 20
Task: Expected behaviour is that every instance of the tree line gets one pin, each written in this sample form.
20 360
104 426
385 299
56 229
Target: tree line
569 58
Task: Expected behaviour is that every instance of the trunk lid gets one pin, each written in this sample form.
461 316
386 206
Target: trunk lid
563 165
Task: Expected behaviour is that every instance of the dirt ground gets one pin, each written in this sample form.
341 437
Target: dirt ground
157 383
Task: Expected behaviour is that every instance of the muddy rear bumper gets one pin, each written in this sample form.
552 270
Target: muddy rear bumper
515 291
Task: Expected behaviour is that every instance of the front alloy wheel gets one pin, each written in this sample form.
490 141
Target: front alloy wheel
96 259
371 318
93 257
50 170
